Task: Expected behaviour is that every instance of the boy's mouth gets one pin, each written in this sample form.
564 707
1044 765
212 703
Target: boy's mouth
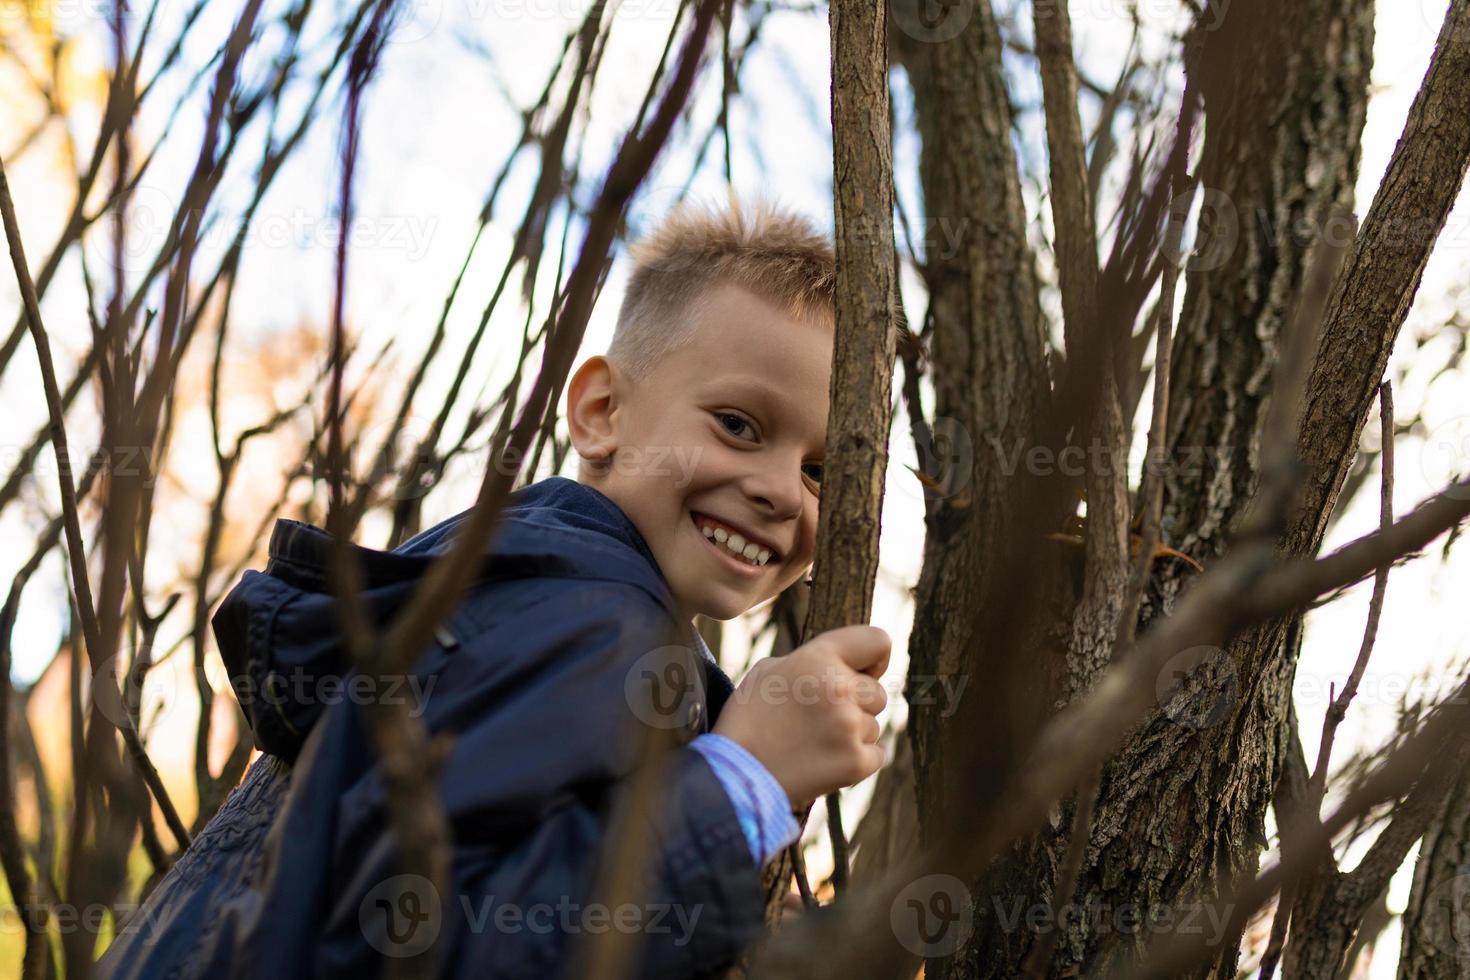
733 543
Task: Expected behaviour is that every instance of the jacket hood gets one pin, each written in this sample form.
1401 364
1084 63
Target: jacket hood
279 633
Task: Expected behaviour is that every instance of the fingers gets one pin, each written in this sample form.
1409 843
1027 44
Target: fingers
858 763
863 648
857 689
869 695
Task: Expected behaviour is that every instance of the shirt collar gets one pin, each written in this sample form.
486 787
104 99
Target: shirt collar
701 645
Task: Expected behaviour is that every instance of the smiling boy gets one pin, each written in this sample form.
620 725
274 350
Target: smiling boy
701 435
723 354
738 380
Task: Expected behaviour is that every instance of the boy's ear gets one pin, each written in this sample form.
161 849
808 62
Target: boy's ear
592 402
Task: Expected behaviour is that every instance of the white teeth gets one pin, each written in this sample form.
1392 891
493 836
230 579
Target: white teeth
736 544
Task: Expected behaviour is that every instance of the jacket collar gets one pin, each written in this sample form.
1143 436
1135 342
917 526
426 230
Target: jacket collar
555 526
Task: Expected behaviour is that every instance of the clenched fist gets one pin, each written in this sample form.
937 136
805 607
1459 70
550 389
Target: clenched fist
810 717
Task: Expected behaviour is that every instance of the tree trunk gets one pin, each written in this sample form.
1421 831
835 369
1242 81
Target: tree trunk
1436 922
1183 805
987 348
1331 905
992 396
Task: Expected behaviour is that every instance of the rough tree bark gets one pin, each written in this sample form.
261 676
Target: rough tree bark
992 394
1436 933
846 562
1285 89
1183 805
865 343
987 347
1332 904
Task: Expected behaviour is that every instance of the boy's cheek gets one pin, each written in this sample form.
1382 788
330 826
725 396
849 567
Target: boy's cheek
787 579
686 463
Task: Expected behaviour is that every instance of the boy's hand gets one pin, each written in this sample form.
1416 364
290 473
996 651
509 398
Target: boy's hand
809 717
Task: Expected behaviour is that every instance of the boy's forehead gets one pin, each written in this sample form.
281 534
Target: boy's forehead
730 318
738 332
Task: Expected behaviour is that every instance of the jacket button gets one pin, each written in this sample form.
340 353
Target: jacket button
696 712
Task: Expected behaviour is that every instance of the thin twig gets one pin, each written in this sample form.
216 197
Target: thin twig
70 522
1337 711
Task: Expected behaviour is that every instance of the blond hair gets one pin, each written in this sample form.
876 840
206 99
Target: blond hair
775 253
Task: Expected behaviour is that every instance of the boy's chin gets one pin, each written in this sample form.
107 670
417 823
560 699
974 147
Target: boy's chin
723 607
722 614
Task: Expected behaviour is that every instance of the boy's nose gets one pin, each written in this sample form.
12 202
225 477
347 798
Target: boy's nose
778 491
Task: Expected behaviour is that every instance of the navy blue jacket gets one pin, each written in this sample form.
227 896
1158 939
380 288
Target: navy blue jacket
295 876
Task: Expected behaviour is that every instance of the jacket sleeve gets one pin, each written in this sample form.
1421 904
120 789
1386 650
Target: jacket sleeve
548 694
761 804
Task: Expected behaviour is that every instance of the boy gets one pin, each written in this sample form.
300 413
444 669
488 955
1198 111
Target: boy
700 436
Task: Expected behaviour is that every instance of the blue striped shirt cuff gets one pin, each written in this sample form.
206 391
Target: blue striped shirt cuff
759 801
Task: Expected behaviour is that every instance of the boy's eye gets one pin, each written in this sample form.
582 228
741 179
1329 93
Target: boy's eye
813 472
735 425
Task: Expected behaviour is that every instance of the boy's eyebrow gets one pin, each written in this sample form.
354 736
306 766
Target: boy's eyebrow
771 394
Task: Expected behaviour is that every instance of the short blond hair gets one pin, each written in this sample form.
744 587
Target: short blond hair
774 252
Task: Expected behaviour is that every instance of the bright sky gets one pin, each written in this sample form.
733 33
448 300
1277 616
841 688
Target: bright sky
436 129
